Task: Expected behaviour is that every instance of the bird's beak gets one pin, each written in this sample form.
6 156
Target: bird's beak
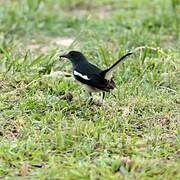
63 56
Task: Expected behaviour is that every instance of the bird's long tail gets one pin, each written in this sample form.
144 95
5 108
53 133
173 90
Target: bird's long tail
107 73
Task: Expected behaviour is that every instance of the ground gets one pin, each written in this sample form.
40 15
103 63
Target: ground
134 135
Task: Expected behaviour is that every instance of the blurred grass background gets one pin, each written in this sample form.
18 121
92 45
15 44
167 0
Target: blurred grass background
135 135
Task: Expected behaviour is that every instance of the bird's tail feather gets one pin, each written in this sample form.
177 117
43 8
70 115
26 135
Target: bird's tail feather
107 73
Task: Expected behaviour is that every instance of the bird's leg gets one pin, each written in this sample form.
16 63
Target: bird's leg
103 96
91 98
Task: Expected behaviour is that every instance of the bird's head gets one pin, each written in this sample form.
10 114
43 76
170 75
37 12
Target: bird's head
74 56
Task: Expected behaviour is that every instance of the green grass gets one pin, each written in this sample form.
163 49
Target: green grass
134 135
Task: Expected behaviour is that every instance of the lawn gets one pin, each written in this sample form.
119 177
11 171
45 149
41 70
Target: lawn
135 134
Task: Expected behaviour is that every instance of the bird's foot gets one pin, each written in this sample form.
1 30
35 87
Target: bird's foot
96 103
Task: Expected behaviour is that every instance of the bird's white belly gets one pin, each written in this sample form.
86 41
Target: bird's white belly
89 88
85 86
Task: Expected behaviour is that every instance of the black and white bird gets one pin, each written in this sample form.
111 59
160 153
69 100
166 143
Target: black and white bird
90 76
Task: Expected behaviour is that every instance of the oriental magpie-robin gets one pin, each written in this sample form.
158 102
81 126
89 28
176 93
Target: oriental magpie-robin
93 78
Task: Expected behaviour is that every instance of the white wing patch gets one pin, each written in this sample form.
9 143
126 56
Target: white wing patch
81 75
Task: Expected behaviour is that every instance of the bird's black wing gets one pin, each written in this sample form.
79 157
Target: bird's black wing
89 74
